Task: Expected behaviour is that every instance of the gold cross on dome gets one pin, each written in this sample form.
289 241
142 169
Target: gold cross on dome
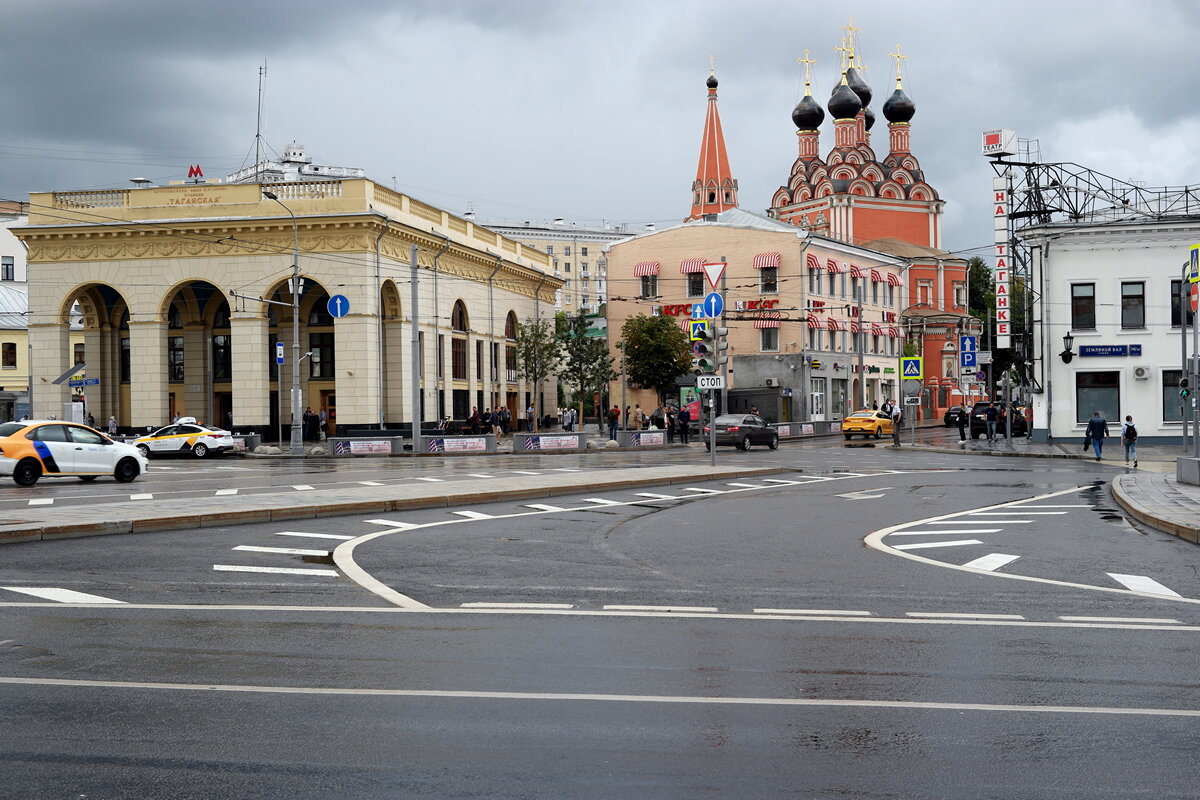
712 64
849 41
807 62
899 58
843 51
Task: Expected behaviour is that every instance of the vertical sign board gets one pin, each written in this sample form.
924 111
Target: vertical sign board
1194 264
1000 271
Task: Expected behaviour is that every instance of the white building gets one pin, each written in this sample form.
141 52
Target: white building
1114 287
12 252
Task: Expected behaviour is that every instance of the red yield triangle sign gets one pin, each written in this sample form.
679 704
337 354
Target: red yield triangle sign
713 270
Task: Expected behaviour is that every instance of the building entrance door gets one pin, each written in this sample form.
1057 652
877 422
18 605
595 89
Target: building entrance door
329 404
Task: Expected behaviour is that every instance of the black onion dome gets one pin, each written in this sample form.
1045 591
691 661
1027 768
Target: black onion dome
899 107
868 117
711 82
808 114
859 84
844 103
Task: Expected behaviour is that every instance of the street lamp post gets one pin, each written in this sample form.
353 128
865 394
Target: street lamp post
297 440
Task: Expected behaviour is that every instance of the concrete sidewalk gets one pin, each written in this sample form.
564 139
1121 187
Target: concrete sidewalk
46 523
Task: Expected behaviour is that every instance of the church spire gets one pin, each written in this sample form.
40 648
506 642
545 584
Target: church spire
714 189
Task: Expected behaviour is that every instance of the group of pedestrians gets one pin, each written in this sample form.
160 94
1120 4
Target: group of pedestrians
313 424
1097 432
675 422
497 421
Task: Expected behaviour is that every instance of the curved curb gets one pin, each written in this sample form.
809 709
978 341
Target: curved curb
1185 532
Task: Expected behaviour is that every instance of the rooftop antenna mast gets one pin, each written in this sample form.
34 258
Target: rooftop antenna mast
262 74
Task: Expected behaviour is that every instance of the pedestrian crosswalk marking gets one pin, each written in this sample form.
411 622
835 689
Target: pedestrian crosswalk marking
991 562
60 595
544 507
601 501
42 501
141 497
656 496
1141 583
473 514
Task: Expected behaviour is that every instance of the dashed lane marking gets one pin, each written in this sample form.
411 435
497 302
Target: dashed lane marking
957 531
656 496
1019 512
524 472
473 514
146 496
544 507
371 483
432 480
221 492
479 475
1141 583
683 609
42 501
284 551
1148 620
981 522
315 535
302 487
991 562
744 485
954 615
332 573
558 606
831 612
61 595
924 545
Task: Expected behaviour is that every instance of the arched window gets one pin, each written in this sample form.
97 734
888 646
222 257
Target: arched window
174 318
712 197
510 326
458 317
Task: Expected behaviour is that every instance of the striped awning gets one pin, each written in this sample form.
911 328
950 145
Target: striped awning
645 268
836 266
769 319
856 272
689 265
815 322
877 330
686 324
812 262
763 260
893 331
894 280
836 324
876 276
855 326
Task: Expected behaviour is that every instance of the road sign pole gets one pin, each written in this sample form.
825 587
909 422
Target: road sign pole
712 428
724 366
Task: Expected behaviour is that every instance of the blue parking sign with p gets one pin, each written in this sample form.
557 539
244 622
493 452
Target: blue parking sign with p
969 358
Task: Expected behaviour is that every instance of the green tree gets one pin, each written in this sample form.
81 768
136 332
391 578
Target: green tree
656 352
587 366
980 288
539 354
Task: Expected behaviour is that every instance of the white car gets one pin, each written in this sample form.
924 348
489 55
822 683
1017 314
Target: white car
185 437
56 449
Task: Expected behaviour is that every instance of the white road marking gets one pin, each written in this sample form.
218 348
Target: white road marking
991 562
221 492
830 612
982 522
950 615
1077 505
518 605
564 469
703 491
313 535
861 494
525 472
698 700
371 483
60 595
924 545
302 487
276 570
141 497
432 480
1020 512
745 485
392 523
473 514
42 501
944 532
1152 620
544 507
479 475
286 551
1140 583
601 501
780 481
689 609
237 469
656 496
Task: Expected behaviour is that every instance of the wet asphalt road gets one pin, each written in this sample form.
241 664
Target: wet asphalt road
730 641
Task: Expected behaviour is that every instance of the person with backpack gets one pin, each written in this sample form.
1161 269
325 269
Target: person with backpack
614 417
1129 436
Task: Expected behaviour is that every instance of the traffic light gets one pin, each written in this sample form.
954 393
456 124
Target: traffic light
1184 388
703 349
721 351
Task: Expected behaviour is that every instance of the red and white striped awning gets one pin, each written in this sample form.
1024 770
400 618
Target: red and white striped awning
894 280
813 262
815 322
769 319
856 272
877 330
643 268
836 266
876 276
690 265
893 331
763 260
836 324
855 326
686 324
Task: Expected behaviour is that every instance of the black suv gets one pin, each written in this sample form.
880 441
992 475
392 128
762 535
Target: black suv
979 422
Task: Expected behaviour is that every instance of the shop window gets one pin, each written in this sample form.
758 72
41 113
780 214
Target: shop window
1098 391
1172 403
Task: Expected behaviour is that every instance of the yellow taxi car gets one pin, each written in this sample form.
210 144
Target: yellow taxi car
185 437
867 423
51 448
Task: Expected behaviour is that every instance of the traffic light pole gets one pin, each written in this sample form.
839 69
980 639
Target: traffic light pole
712 427
1193 366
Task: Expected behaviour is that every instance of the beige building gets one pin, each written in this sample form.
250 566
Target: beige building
797 332
173 284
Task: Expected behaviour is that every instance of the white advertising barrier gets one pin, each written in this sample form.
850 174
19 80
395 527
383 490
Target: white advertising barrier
543 442
458 444
347 446
641 438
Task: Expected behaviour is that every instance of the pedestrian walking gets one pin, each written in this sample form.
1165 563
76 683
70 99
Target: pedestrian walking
91 421
990 416
658 419
529 415
639 417
505 420
112 425
486 420
685 420
961 422
474 420
897 419
671 420
1129 436
1097 429
614 418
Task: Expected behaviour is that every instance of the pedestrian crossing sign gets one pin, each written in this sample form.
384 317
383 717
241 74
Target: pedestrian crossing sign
911 368
698 330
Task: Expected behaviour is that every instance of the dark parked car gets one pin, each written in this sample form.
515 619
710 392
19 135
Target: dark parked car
953 414
743 430
979 422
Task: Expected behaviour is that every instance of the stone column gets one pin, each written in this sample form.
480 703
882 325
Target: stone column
396 366
251 385
148 373
50 352
356 344
192 397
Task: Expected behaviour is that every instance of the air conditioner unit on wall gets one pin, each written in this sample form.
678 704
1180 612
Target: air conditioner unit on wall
772 381
1141 373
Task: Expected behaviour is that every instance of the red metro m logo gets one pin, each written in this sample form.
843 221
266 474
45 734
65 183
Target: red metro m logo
194 171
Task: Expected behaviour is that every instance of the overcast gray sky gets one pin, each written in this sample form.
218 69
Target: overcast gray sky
528 110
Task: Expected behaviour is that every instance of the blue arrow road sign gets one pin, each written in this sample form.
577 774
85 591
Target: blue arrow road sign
697 311
338 306
714 304
967 344
969 358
